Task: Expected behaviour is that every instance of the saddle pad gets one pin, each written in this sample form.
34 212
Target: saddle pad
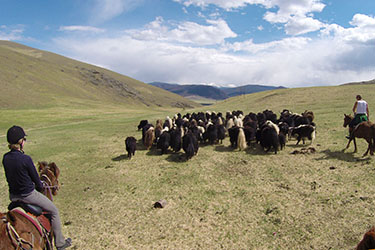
45 222
30 217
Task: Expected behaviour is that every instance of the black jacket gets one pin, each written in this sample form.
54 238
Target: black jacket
21 173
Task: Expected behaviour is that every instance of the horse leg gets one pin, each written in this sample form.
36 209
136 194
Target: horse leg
370 147
355 145
347 145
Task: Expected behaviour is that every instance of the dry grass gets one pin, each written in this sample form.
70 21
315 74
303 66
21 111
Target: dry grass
220 198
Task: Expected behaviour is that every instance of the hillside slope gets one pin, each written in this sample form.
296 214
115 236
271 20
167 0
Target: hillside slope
247 89
35 78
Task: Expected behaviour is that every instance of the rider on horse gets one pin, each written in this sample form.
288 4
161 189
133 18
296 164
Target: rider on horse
360 109
24 182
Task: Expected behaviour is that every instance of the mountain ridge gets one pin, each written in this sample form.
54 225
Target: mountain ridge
212 92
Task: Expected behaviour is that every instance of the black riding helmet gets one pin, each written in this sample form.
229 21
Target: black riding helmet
14 134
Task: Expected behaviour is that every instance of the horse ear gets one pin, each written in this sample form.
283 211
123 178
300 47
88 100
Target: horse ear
54 168
41 165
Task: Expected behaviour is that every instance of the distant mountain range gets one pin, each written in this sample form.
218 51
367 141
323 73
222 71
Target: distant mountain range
211 92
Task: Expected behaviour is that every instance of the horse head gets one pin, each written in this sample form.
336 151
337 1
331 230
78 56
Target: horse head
368 241
347 120
49 174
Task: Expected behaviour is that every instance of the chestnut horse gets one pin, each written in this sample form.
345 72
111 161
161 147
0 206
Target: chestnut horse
365 130
368 241
17 231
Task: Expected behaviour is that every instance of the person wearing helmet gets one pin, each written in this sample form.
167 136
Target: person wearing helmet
24 182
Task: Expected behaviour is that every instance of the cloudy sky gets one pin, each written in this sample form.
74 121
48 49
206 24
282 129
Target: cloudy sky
293 43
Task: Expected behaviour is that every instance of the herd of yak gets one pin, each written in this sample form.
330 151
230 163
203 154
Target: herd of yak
188 131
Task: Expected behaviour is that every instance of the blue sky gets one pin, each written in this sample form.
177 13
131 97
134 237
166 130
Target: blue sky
293 43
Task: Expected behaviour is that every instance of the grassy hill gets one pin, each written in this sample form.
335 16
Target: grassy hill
221 198
35 78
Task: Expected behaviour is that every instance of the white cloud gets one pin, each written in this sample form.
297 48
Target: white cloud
186 32
104 10
11 33
225 4
81 29
363 31
161 53
294 14
287 44
302 25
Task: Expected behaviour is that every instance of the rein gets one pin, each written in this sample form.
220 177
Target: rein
16 240
47 185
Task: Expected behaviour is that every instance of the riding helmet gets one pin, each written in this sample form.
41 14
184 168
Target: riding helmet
14 134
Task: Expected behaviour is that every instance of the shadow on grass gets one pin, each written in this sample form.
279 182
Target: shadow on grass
253 149
120 157
153 151
222 148
176 157
341 155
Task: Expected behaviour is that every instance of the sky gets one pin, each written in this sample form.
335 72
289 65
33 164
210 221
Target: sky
290 43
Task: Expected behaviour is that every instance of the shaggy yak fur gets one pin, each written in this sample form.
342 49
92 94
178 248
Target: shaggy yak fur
144 130
269 138
212 133
190 145
233 136
163 142
149 138
142 124
304 131
130 145
176 139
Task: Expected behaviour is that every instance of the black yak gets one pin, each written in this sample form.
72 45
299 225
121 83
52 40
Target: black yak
190 145
130 145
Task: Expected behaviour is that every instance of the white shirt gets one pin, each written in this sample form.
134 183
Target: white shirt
361 107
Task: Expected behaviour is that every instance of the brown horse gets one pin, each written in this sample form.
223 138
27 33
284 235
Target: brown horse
365 130
19 232
49 174
368 241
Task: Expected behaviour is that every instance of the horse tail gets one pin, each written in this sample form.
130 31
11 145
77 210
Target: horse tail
373 137
241 141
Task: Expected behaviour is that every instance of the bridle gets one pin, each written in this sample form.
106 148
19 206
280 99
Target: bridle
48 186
15 238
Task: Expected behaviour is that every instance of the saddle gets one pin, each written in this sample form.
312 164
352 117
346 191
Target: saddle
39 218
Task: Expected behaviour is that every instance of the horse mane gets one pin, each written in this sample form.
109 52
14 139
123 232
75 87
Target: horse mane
44 166
368 241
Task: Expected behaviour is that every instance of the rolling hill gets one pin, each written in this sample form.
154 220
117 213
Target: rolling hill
35 78
192 91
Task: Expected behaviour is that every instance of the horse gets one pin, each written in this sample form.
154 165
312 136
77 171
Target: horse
49 174
368 241
28 227
365 130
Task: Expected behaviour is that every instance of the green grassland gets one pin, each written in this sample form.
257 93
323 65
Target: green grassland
221 198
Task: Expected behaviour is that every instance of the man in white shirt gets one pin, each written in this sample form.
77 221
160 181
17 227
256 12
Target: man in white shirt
361 113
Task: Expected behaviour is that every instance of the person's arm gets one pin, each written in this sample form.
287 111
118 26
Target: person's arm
34 174
355 107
